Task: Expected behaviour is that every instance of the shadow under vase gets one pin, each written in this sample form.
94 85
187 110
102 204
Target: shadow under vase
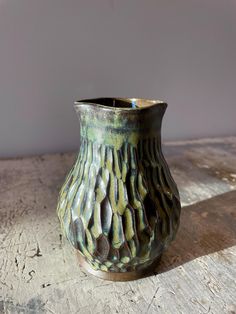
205 227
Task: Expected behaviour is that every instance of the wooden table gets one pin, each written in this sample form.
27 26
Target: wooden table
39 272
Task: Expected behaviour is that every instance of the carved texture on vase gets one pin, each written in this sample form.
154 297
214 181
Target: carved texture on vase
119 207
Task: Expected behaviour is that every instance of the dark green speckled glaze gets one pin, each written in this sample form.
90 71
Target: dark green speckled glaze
119 205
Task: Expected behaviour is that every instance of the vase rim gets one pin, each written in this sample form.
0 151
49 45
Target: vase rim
120 103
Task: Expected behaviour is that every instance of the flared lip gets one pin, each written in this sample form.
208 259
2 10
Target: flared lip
129 104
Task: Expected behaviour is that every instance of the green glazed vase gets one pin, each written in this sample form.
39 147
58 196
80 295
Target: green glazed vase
119 205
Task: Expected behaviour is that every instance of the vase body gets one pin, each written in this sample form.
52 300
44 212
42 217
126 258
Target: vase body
119 205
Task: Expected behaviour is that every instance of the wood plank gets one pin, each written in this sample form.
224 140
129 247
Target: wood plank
38 268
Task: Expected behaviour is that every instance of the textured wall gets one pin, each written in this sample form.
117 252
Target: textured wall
53 52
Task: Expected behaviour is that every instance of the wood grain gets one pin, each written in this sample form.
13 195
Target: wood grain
39 272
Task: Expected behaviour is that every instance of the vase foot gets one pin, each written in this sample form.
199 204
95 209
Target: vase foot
122 276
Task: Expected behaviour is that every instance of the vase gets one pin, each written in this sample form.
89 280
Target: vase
119 206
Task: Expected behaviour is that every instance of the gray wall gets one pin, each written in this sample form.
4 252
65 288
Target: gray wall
55 51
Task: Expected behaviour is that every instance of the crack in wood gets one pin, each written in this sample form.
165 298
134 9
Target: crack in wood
60 238
16 263
31 276
154 296
38 252
23 268
44 285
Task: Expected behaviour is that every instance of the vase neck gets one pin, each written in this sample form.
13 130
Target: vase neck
116 125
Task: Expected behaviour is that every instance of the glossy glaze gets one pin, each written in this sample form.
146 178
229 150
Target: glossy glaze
119 205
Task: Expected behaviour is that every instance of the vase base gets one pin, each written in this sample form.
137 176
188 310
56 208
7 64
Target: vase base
125 276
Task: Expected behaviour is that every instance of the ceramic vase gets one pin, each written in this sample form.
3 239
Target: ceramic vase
119 206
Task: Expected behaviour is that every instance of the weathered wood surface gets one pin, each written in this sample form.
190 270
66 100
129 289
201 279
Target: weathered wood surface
39 272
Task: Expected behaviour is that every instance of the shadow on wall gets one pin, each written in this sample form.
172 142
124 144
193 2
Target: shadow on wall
206 227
